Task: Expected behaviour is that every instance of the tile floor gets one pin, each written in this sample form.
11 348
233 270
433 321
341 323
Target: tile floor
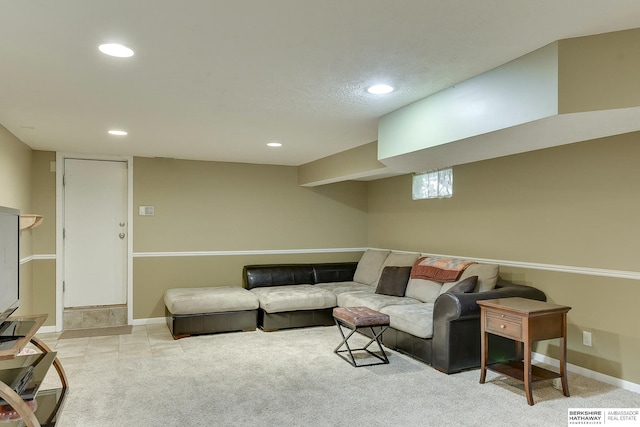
94 317
144 341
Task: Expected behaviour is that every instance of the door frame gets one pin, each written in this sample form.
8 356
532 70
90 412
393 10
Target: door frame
60 158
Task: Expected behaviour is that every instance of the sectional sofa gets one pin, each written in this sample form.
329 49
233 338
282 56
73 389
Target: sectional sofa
435 322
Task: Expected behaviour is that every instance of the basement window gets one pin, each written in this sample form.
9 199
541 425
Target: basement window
433 185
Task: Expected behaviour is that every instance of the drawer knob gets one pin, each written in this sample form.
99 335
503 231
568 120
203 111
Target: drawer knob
502 326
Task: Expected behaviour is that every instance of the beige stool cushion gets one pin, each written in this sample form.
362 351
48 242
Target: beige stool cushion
209 300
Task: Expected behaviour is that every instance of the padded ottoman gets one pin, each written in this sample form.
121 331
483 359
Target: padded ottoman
194 311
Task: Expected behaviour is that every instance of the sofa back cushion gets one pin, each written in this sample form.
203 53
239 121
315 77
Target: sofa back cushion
487 276
333 272
393 281
370 266
397 259
423 290
257 276
401 259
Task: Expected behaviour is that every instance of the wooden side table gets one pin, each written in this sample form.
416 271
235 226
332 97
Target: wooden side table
525 321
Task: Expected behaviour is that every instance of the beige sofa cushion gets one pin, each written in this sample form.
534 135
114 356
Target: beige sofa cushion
372 300
370 266
423 290
401 259
414 319
276 299
209 300
341 287
487 275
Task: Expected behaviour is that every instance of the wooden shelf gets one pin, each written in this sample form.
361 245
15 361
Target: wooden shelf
515 370
28 221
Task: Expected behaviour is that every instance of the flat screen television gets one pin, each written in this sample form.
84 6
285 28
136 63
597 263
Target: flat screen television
9 261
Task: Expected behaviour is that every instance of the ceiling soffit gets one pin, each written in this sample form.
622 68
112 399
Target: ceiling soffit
569 91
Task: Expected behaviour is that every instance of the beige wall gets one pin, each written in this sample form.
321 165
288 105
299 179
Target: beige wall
15 192
599 72
207 206
573 205
44 201
350 164
44 236
212 206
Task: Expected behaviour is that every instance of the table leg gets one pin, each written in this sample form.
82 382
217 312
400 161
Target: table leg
483 354
527 372
563 357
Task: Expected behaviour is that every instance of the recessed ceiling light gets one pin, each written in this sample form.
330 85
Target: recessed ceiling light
379 89
117 132
116 49
274 144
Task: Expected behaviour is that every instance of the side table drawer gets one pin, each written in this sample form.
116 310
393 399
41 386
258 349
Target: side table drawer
506 326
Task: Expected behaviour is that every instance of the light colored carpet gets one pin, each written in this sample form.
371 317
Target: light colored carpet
96 332
293 378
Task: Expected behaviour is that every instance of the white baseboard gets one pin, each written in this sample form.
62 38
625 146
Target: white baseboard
47 329
149 321
617 382
135 322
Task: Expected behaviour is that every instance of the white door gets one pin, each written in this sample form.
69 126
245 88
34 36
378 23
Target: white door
95 227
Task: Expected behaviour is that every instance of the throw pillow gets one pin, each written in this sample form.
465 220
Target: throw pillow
462 287
393 281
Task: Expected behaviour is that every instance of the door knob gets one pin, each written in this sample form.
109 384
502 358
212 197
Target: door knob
122 224
121 235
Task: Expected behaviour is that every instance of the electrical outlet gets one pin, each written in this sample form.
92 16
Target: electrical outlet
586 338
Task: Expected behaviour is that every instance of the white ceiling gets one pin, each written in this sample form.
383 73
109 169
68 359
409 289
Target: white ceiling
217 80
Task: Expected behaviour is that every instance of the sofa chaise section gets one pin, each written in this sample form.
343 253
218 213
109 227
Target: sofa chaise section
195 311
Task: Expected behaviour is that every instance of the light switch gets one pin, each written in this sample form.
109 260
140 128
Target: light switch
146 210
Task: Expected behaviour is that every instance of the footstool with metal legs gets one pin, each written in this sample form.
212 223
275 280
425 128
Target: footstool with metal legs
354 318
